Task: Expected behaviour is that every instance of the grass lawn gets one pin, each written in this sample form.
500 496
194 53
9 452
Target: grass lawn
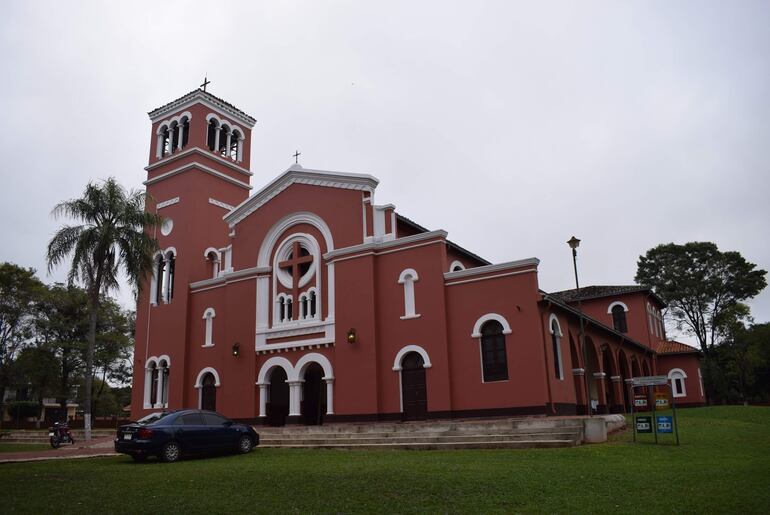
21 447
722 466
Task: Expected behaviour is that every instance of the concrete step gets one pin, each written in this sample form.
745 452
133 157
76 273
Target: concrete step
543 424
388 434
413 437
425 446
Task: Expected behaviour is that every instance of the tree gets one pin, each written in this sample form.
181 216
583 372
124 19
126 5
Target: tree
20 292
113 236
704 289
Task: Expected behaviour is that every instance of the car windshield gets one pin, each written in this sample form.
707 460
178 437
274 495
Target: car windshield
151 418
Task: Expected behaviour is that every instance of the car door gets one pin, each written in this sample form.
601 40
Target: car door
192 433
222 435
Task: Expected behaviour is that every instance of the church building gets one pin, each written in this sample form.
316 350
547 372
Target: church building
311 301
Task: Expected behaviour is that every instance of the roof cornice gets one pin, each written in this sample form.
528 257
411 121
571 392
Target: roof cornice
206 99
298 175
487 269
196 166
200 152
383 245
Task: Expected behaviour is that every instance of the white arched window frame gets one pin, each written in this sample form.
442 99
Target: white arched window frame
160 141
677 377
397 366
209 316
213 257
456 266
284 279
167 292
476 334
407 278
157 275
555 329
312 304
164 367
199 382
149 368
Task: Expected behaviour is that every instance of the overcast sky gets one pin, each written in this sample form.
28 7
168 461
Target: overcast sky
512 125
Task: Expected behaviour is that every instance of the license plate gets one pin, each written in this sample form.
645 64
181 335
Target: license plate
50 434
127 436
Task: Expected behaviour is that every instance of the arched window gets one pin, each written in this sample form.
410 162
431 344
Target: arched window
208 316
185 123
311 296
619 318
677 377
235 146
212 256
159 267
163 369
212 134
494 361
168 276
153 385
303 306
224 140
289 313
408 277
281 307
556 345
456 266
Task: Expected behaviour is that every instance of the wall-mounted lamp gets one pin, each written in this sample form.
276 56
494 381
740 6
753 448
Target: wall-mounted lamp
351 335
236 349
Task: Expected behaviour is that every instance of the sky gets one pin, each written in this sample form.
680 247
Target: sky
512 125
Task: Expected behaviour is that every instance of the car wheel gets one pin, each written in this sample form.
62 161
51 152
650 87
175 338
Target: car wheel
139 458
171 452
245 444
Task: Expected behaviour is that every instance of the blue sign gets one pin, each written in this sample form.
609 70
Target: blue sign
665 424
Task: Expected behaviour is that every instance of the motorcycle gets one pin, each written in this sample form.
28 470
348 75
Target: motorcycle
60 433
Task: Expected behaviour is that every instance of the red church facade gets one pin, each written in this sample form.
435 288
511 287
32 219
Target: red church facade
308 302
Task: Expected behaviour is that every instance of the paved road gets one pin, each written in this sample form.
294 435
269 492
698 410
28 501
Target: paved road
98 447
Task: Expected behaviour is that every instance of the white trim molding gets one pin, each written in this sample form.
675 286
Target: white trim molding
406 350
456 264
551 319
677 373
486 318
166 203
199 379
221 204
298 175
617 303
486 269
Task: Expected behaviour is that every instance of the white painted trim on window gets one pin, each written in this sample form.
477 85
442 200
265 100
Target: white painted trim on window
616 303
456 264
166 203
406 350
553 318
486 318
198 381
303 217
313 357
408 277
677 373
270 364
486 269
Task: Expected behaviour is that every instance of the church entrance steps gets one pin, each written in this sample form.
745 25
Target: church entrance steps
440 434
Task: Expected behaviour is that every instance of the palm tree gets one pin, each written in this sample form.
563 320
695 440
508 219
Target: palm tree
112 237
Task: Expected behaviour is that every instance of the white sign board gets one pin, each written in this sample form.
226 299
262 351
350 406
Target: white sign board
650 381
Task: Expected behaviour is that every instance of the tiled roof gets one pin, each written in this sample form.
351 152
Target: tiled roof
205 93
672 347
597 292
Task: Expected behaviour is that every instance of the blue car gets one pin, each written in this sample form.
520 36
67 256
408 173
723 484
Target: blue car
170 434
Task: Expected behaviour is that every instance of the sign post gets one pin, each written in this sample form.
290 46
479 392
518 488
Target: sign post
655 424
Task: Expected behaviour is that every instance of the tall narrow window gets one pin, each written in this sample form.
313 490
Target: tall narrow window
619 318
556 344
170 266
677 377
224 140
153 385
408 277
185 131
493 355
235 144
211 139
311 303
213 259
208 316
289 314
281 308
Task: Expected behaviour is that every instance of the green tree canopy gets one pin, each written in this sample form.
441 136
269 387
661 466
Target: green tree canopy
702 286
112 236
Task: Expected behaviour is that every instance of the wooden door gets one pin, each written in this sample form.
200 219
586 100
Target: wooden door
413 389
209 393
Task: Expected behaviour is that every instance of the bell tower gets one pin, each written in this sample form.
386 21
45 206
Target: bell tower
198 171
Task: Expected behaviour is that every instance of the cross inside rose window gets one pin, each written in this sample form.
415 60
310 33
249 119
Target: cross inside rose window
297 265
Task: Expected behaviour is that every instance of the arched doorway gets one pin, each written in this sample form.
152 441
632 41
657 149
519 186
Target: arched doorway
414 393
609 373
313 395
624 376
278 403
209 392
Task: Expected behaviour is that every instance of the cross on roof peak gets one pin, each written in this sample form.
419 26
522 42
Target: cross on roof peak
206 82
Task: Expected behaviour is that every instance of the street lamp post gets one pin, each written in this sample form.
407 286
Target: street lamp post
574 243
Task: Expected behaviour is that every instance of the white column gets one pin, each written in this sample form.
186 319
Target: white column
159 389
295 391
179 138
263 399
329 395
216 139
159 146
147 386
229 140
240 149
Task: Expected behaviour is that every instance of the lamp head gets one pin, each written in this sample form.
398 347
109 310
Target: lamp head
573 243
